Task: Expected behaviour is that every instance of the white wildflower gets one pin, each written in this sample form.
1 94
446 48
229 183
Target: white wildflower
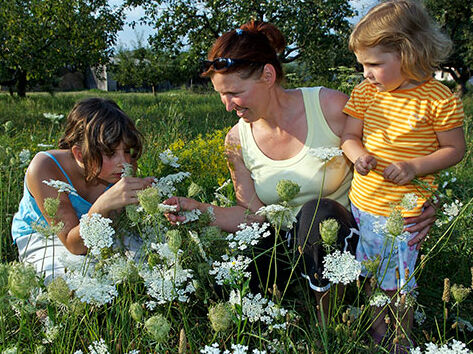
257 308
325 153
46 146
165 208
96 232
455 347
226 183
222 200
279 215
165 184
419 317
165 253
239 349
341 267
51 331
134 351
247 235
409 201
231 270
452 210
151 305
166 284
257 351
24 156
92 290
54 118
195 237
127 170
98 347
190 215
211 349
61 186
379 299
168 158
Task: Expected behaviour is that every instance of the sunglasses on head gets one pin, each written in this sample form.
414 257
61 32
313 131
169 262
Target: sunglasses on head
224 63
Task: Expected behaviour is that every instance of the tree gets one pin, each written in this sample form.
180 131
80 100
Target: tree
39 37
456 19
315 30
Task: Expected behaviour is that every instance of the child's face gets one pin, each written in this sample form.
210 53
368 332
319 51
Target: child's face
382 69
112 165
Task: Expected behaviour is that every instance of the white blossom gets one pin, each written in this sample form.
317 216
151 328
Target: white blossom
92 290
98 347
379 299
168 158
279 215
61 186
190 215
454 347
231 270
24 156
224 184
419 317
96 232
211 349
325 153
248 235
165 208
452 210
341 267
195 237
165 184
41 145
127 170
55 118
409 201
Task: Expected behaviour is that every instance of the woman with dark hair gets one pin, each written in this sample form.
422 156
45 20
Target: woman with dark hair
271 142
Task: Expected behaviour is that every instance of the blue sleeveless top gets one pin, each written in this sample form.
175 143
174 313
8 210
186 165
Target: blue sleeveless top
29 213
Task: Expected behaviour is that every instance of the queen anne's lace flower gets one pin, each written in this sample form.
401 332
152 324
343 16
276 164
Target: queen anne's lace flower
96 232
341 267
325 153
279 215
98 347
248 235
168 158
165 185
455 347
231 271
127 170
61 186
453 209
379 299
409 201
55 118
24 156
92 290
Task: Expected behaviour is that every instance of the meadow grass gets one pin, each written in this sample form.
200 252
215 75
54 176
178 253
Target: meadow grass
193 126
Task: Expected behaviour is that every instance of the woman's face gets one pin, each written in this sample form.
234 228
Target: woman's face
245 96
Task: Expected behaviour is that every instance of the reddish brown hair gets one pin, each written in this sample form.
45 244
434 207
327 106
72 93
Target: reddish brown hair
98 126
256 42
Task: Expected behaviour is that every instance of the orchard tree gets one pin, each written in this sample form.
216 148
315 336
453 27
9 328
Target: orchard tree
40 37
456 19
316 30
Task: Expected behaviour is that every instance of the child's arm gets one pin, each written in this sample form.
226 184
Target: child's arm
352 146
450 152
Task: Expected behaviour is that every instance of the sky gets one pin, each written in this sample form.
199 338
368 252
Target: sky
128 36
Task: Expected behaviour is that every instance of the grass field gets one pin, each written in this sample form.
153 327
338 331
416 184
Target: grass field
193 125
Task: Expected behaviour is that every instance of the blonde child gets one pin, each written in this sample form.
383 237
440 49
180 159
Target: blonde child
99 140
403 124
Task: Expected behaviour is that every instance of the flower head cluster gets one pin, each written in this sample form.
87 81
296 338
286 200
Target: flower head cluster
55 118
287 190
96 232
452 210
220 317
158 327
455 347
150 199
459 292
257 308
168 158
231 270
379 299
165 185
98 347
24 156
409 201
92 290
248 235
21 280
329 231
395 223
341 267
61 186
190 215
168 283
325 153
127 170
47 230
278 215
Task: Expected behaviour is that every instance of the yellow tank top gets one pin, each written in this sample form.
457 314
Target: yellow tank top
303 169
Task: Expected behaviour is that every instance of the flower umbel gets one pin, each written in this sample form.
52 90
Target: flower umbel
341 267
96 232
287 190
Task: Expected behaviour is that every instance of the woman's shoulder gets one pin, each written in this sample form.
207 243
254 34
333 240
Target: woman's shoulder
332 103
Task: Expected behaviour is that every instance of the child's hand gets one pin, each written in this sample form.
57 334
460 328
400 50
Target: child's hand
400 172
365 164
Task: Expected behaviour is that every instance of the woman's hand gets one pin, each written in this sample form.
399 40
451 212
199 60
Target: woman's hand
121 194
423 223
181 203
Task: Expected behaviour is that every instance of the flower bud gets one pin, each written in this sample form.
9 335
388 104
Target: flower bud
395 223
459 293
149 199
136 311
220 317
193 190
287 190
372 265
58 291
174 240
329 231
21 280
51 205
158 327
132 213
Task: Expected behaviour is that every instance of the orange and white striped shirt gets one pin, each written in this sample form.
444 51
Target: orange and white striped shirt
397 126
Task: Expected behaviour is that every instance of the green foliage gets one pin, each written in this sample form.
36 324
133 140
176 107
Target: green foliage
40 37
316 30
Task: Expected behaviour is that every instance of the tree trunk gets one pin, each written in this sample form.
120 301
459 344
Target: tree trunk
21 84
153 89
